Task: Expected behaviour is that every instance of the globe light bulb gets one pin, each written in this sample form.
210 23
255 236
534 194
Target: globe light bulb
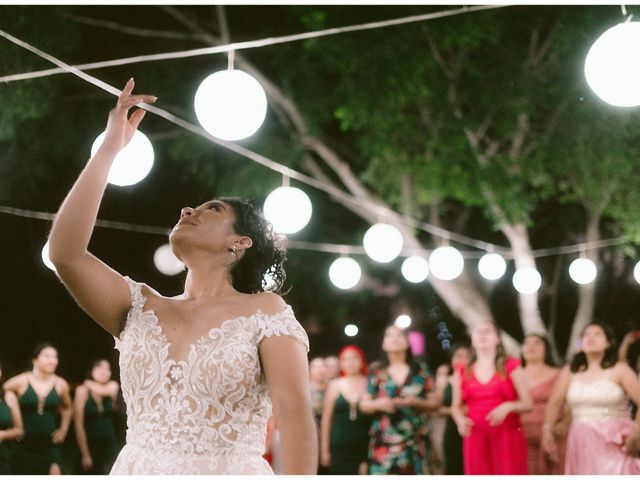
446 263
288 209
636 272
133 163
383 242
44 254
612 66
492 266
230 105
351 330
527 280
345 273
583 271
403 321
166 262
415 269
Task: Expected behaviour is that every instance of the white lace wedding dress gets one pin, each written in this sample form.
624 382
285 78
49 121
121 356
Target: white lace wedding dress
203 415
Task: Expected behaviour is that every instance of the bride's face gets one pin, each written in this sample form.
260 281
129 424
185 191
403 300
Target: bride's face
209 226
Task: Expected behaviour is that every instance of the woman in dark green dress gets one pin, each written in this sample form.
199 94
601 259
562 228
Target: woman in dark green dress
452 441
94 406
42 396
344 429
10 426
399 393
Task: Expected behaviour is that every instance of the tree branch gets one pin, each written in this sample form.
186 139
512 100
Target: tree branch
138 32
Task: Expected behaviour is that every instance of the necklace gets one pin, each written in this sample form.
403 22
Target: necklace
353 412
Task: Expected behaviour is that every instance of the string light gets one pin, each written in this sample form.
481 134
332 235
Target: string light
612 68
351 330
166 262
415 269
492 266
583 271
446 263
345 273
403 321
288 209
45 257
382 242
68 68
527 280
636 272
230 105
133 163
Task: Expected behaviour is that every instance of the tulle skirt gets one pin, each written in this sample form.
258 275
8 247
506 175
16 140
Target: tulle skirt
595 448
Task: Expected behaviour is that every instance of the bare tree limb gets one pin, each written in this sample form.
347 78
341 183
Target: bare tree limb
138 32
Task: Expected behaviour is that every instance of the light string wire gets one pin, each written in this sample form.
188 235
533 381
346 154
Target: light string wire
318 246
262 160
249 44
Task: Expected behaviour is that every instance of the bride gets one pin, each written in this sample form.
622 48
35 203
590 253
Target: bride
199 371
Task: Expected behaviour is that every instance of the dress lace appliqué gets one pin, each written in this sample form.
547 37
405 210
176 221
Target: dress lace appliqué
206 414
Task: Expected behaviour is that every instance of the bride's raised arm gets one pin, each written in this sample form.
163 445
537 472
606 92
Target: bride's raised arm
98 289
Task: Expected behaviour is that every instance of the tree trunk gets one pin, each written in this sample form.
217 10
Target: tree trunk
587 293
518 237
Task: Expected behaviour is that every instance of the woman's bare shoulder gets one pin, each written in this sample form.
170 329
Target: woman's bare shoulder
268 302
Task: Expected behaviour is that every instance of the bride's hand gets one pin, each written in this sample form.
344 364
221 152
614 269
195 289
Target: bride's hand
120 128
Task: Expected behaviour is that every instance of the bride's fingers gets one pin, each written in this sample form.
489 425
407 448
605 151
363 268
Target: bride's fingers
135 100
128 88
136 118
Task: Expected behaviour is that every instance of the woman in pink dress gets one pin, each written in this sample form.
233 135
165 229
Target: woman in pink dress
541 375
493 389
603 439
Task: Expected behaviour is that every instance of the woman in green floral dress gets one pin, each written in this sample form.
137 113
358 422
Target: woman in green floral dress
399 393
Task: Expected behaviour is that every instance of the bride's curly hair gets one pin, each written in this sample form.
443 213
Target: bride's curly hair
267 254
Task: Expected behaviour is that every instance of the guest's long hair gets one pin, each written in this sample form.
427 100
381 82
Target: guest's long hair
358 351
610 358
548 356
499 360
383 363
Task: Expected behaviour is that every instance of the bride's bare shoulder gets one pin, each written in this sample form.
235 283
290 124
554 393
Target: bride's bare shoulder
268 302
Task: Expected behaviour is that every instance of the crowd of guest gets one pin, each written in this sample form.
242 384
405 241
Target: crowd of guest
484 412
38 409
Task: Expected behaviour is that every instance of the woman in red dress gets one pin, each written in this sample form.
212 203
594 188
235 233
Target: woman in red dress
493 390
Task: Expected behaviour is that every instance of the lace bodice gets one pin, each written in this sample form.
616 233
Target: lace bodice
207 413
600 400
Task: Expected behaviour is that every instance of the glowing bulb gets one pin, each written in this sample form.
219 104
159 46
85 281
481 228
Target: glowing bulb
446 263
351 330
230 104
612 67
345 273
45 257
288 209
166 262
133 162
403 321
527 280
383 242
636 272
583 271
415 269
492 266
